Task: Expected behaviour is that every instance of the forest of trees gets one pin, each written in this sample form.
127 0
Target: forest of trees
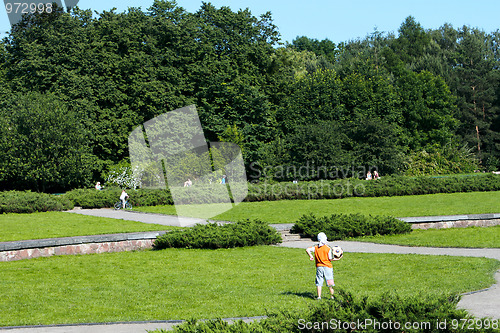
73 86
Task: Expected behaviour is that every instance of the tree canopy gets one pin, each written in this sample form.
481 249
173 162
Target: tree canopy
73 87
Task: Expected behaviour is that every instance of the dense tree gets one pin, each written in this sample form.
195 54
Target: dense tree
324 48
43 145
412 41
375 101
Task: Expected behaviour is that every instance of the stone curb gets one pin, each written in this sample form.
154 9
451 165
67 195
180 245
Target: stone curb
246 319
64 241
447 218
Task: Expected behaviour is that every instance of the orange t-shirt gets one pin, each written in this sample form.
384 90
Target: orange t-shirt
321 256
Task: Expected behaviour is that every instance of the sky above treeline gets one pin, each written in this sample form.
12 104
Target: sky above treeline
338 21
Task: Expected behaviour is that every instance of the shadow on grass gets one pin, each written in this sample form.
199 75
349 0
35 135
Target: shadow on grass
306 294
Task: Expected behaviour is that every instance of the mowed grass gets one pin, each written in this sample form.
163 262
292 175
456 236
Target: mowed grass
471 237
289 211
183 284
60 224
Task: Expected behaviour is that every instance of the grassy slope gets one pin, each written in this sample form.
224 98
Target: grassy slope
169 284
60 224
288 211
476 237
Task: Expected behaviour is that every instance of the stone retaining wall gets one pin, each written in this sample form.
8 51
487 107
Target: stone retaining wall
456 224
90 248
453 221
28 249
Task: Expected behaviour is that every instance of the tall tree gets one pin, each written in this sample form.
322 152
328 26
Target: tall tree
412 41
43 146
476 82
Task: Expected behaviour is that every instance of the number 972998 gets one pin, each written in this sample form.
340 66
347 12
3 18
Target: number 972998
28 7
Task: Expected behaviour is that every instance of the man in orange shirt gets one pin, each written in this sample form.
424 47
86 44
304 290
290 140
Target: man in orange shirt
323 256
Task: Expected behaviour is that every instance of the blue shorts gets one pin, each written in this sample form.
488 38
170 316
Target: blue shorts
324 273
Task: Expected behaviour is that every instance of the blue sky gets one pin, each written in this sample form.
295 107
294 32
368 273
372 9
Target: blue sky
333 19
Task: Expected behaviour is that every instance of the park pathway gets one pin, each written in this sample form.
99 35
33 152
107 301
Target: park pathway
483 303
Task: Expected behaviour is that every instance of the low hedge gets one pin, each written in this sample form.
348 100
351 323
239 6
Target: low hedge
31 202
386 313
322 189
91 198
214 236
385 186
342 226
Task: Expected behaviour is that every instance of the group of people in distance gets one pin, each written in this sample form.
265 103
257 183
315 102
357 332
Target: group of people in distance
375 175
223 180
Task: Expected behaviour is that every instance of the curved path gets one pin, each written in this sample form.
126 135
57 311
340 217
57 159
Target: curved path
483 303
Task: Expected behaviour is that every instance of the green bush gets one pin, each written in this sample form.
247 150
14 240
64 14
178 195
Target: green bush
91 198
323 189
387 313
342 226
214 236
202 194
385 186
31 202
446 160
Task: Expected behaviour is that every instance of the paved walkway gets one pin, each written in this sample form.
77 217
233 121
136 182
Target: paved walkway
485 303
150 218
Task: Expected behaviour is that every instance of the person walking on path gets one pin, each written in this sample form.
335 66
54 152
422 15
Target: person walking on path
323 257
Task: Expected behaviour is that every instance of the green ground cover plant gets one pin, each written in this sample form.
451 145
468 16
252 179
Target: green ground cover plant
214 236
342 226
289 211
30 202
389 312
61 224
476 237
183 284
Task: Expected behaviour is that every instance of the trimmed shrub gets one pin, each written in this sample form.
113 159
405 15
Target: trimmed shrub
385 186
91 198
31 202
214 236
323 189
342 226
387 313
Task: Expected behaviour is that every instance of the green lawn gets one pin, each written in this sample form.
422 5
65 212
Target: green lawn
182 284
288 211
60 224
473 237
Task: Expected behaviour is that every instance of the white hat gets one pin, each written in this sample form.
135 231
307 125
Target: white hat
322 239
